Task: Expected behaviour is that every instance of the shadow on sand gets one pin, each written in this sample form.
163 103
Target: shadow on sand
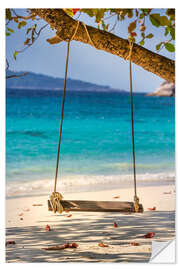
88 233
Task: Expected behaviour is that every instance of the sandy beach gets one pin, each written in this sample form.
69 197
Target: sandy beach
27 217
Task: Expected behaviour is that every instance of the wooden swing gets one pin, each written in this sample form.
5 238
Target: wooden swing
56 202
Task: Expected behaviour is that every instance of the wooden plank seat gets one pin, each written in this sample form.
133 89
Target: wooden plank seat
97 206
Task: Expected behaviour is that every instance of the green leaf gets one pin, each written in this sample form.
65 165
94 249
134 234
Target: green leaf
141 16
172 33
88 11
99 14
150 35
155 19
141 42
130 13
69 11
10 30
16 20
132 27
167 29
164 20
21 24
170 47
158 46
8 34
15 54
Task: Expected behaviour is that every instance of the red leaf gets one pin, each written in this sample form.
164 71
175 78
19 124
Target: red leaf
75 10
152 209
115 225
149 235
133 34
103 245
47 228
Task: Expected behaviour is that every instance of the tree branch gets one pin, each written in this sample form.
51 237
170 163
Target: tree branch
16 75
102 40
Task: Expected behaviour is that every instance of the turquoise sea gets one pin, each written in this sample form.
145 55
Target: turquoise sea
96 140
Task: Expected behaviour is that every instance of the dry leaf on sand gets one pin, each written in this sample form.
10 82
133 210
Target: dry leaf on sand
102 245
115 225
67 245
116 197
47 228
10 243
149 235
152 209
134 244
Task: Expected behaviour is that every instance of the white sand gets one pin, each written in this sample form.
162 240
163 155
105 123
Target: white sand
27 228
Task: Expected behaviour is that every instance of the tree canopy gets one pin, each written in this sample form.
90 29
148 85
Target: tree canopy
65 22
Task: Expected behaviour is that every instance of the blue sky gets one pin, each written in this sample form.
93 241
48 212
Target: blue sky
86 63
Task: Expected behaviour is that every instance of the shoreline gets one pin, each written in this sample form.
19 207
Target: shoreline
83 183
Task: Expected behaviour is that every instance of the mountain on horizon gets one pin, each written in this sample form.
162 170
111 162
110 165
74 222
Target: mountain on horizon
39 81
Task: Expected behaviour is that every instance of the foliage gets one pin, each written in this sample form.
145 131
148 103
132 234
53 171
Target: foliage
137 27
137 22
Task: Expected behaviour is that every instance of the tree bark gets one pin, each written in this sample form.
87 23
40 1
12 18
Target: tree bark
65 28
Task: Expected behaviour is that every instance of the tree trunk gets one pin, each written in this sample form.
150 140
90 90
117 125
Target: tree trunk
102 40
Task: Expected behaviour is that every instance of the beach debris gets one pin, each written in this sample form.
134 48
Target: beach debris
70 215
47 228
115 225
67 211
149 235
169 192
134 244
152 209
10 243
74 245
20 214
37 204
26 209
21 218
101 244
66 245
116 197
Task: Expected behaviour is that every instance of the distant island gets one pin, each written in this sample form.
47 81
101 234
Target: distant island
43 82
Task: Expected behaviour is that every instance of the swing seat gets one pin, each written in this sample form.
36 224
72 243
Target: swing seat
98 206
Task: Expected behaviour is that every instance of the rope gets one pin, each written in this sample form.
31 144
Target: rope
64 92
92 43
136 199
56 197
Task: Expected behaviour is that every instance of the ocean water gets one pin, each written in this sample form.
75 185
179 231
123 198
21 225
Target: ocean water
96 141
